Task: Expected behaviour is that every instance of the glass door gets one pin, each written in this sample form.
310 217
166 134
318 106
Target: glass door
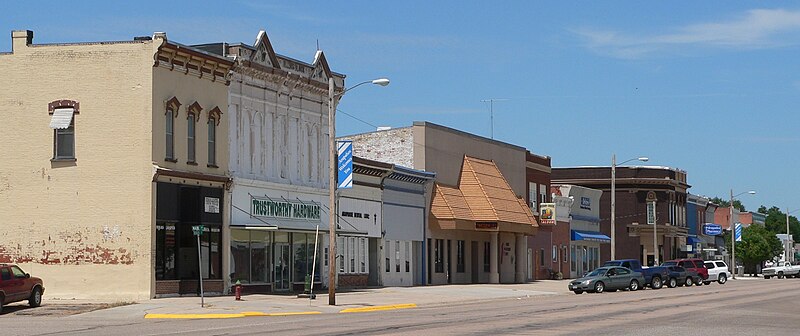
283 261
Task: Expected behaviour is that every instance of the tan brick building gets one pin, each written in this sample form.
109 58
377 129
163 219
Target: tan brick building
99 140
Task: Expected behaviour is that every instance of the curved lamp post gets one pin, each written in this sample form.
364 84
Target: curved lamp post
614 199
332 212
733 232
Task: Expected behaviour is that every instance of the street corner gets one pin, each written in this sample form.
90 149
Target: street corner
379 308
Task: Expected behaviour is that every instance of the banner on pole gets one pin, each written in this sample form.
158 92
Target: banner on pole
738 231
345 163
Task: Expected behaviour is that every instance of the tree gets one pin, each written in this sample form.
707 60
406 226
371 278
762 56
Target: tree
725 203
757 245
776 221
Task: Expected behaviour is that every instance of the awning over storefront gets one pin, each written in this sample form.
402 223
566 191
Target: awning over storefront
482 201
693 241
590 236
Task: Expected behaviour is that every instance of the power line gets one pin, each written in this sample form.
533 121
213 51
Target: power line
356 118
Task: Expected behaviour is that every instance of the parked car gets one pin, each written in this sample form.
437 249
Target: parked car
16 285
679 276
653 276
717 271
782 269
607 279
691 264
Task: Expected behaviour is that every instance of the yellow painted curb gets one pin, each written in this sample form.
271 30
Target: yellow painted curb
378 308
192 316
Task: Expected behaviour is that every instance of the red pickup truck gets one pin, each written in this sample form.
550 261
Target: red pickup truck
16 285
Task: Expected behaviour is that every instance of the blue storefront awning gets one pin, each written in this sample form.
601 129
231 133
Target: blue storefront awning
693 241
590 236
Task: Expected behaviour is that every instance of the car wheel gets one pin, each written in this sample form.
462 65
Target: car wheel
688 282
722 279
634 285
699 282
780 275
672 283
1 304
578 292
599 287
656 283
36 298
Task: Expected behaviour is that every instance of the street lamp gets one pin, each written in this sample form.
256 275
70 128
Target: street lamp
788 246
733 232
614 199
332 212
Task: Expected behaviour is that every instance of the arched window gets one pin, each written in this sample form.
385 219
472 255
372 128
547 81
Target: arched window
192 114
170 113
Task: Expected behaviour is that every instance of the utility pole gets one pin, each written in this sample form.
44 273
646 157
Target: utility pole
491 113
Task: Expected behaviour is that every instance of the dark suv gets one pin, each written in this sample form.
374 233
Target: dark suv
16 285
691 264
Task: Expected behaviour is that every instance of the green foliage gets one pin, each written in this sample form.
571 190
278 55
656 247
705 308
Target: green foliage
758 244
725 203
776 221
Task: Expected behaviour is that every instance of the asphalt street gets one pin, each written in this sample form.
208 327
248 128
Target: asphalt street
752 306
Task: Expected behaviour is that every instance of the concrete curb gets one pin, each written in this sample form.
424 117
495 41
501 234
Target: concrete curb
254 313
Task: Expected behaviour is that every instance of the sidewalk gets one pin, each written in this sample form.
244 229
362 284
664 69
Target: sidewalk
351 301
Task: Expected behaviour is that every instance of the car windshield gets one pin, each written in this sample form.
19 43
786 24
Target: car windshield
669 263
598 272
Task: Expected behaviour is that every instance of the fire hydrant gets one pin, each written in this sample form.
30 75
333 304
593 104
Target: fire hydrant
238 290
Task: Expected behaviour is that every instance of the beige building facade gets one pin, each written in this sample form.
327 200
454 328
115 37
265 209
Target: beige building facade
89 146
478 220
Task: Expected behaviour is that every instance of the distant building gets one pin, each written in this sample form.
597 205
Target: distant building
644 194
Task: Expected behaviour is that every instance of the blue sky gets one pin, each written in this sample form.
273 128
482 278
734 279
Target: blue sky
709 87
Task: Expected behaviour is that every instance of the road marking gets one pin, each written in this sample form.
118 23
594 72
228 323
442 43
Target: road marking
378 308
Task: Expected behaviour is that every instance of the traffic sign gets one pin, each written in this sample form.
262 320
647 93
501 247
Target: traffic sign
197 230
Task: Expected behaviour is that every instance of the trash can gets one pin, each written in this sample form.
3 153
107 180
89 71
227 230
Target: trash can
740 271
308 284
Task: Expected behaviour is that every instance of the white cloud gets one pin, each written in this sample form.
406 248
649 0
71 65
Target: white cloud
756 29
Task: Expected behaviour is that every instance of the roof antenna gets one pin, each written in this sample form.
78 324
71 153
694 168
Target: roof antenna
491 113
317 44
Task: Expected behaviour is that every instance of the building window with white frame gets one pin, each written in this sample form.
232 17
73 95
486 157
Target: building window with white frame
62 122
533 197
170 113
64 142
555 253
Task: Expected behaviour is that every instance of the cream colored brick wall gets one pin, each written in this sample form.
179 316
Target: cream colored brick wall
84 226
189 88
